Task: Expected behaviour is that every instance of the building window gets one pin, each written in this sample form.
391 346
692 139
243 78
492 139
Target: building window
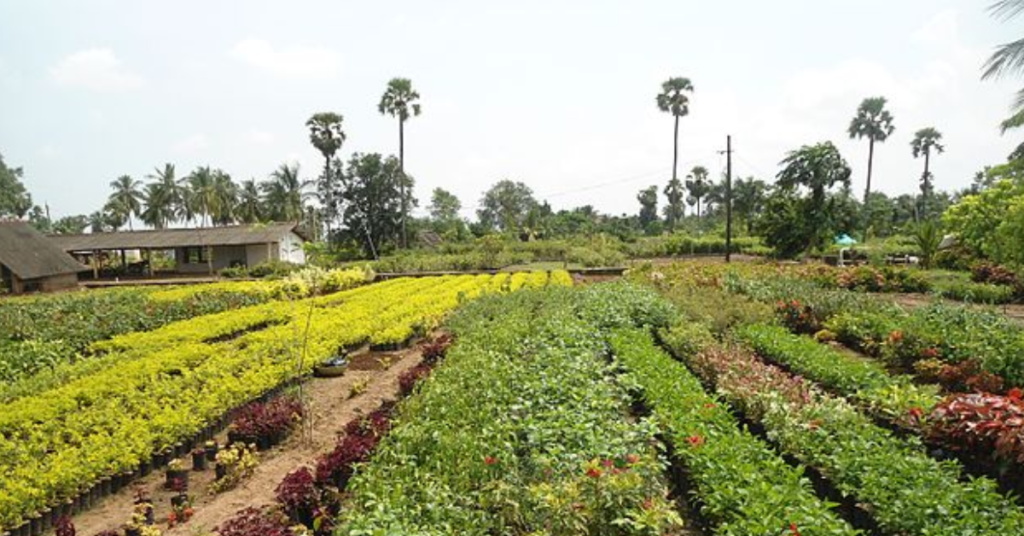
196 255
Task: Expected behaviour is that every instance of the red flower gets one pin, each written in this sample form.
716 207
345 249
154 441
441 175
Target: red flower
1015 394
930 353
896 336
916 413
608 463
594 472
793 530
490 460
647 504
709 405
632 459
695 441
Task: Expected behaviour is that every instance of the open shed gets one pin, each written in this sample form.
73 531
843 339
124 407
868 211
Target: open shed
30 262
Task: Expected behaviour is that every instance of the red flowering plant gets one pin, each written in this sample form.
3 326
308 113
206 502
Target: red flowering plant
298 494
255 522
64 527
981 424
798 317
968 376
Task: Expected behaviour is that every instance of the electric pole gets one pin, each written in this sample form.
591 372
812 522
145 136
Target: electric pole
728 198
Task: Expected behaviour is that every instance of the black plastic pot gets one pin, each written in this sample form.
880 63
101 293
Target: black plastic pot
23 530
199 460
178 500
35 526
106 486
145 467
131 531
221 471
180 474
211 452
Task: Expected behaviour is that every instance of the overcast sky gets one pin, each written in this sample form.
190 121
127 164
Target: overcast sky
557 94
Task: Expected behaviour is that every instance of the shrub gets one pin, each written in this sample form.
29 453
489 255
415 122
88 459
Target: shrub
273 269
255 522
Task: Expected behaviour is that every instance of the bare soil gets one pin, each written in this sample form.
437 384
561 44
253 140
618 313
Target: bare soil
330 407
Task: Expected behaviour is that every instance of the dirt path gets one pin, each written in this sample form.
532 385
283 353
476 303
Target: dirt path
331 408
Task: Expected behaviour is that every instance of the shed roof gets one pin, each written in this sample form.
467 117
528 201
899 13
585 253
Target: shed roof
229 235
30 255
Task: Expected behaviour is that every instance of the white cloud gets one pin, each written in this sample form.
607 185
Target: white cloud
940 31
298 62
97 69
192 144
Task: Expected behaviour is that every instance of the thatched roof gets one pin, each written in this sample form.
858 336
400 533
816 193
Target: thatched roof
230 235
28 254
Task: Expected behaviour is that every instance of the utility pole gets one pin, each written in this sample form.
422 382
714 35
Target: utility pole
728 198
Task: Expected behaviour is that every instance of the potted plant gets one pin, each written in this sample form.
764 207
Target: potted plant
176 471
211 449
199 459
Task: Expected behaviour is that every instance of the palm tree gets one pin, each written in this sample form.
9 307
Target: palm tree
873 122
697 184
673 99
748 197
201 194
226 195
1008 58
283 194
250 208
126 198
158 209
326 135
169 193
400 100
924 143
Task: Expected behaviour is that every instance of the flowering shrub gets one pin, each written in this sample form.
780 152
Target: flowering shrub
982 424
985 272
798 317
255 522
259 422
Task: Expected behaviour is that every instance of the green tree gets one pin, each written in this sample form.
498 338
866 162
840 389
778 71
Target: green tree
15 201
444 213
372 191
927 237
816 168
925 142
505 206
201 197
783 225
698 185
748 198
283 194
158 210
400 100
673 100
674 209
326 134
250 206
873 122
648 198
879 214
226 193
126 198
71 225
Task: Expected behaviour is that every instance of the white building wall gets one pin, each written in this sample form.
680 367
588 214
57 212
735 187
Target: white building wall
291 249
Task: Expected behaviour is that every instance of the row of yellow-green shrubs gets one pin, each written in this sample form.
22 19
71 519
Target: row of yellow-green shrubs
151 393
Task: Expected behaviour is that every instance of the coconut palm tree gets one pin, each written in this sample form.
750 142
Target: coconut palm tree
250 207
873 122
673 99
126 198
283 194
1007 59
201 194
159 210
226 195
326 135
400 100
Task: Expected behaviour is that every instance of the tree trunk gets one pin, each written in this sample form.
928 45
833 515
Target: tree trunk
871 158
675 149
401 167
330 195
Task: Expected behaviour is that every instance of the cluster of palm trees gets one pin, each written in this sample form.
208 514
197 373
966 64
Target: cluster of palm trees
204 197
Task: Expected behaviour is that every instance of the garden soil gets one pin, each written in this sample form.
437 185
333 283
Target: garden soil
331 408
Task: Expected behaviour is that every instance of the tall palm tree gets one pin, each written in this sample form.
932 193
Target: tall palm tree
226 196
400 100
126 197
250 208
283 194
873 122
697 184
1008 58
673 99
326 135
159 210
201 194
168 192
925 142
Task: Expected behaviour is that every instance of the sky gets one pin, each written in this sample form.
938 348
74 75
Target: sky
557 94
